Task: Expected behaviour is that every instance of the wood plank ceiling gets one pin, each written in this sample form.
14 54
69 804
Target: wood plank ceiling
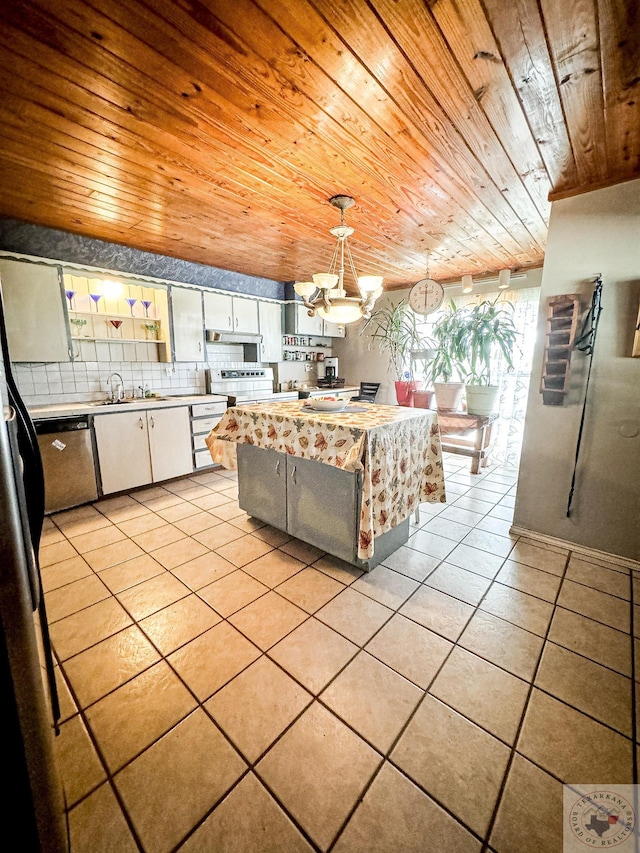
216 130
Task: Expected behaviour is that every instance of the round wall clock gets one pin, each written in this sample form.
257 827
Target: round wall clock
426 296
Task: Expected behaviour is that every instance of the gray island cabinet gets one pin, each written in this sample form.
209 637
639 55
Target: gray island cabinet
344 482
314 502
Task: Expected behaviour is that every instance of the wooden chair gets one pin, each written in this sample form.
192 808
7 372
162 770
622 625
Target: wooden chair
368 392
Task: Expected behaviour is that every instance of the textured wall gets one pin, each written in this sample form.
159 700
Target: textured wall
23 238
589 234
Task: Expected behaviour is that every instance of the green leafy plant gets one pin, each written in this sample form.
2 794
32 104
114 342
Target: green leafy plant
446 365
395 330
468 340
488 328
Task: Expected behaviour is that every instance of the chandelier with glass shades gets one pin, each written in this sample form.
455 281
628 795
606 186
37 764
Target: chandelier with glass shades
331 301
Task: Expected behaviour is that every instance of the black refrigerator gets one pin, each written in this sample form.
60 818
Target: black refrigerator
33 806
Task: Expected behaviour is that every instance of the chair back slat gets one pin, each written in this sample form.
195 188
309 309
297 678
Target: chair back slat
368 392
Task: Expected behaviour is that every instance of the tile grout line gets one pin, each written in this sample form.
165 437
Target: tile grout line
498 803
361 649
250 766
403 729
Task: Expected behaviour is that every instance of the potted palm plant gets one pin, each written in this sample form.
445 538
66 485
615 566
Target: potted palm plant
486 331
395 331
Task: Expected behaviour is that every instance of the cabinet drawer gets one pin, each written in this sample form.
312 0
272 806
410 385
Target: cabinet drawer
204 425
199 442
201 410
203 459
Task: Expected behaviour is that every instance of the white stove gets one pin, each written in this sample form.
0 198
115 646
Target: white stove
245 385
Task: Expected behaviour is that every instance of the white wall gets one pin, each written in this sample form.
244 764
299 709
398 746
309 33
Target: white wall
360 359
598 232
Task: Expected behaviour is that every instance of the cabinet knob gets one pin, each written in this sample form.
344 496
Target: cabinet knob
293 474
153 423
278 467
140 424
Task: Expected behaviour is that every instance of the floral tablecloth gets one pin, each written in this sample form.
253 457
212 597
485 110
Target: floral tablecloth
396 448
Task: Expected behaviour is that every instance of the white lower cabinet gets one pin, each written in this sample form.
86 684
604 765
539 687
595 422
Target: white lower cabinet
170 443
140 447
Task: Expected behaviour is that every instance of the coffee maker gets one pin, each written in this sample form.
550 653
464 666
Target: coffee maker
328 369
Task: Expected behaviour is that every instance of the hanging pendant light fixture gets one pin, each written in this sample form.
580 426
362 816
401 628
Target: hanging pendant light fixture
467 284
332 302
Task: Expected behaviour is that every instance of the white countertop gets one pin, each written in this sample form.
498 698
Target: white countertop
64 410
59 410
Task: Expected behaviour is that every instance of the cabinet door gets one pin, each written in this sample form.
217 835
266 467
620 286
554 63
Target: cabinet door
271 330
169 442
123 450
323 506
262 484
188 333
306 325
35 313
245 315
333 330
218 312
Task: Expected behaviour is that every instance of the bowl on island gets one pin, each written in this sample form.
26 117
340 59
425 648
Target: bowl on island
326 404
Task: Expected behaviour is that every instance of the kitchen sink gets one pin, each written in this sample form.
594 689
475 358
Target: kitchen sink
111 402
131 400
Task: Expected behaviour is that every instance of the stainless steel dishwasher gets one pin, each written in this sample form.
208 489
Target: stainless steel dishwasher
68 462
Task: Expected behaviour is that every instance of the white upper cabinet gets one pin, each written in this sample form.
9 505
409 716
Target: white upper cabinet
226 313
333 330
218 312
270 314
35 313
298 321
245 315
188 330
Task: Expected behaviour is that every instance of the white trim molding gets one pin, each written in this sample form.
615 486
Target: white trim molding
615 559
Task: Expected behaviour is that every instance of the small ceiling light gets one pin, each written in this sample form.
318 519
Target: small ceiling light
332 303
504 277
467 284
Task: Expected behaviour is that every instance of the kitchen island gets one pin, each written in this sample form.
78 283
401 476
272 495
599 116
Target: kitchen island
346 482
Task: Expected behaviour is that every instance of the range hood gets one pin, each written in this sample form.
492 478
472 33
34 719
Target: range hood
215 337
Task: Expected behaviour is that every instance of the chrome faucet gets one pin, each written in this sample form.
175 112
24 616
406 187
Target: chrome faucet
117 393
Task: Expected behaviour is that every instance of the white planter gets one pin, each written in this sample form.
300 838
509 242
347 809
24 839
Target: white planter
448 395
482 399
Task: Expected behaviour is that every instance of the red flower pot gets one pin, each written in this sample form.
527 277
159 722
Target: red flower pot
422 399
404 392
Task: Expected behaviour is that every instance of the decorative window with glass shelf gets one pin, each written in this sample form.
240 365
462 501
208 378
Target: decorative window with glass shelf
102 309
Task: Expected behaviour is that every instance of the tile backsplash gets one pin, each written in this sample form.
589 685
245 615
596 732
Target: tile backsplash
71 382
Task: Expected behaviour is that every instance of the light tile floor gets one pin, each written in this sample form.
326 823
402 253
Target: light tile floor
226 688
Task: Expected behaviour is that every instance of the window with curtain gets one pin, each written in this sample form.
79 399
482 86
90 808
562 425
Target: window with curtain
514 385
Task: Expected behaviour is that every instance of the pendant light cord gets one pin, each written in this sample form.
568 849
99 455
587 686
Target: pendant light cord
586 342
